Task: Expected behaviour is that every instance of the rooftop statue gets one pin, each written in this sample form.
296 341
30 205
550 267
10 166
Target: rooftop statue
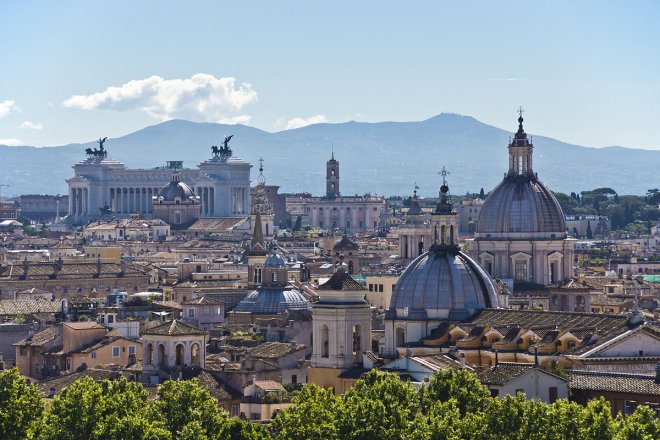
224 150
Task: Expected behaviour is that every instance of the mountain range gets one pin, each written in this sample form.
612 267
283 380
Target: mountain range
380 158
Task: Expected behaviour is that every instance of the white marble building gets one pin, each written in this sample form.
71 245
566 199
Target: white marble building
222 183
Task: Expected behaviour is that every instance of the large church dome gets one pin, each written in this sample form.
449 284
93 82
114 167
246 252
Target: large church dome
442 283
521 206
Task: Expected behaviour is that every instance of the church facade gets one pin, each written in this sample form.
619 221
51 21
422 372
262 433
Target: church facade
102 185
350 214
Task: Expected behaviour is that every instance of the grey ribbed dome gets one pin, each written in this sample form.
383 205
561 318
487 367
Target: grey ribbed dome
272 300
442 283
175 189
521 204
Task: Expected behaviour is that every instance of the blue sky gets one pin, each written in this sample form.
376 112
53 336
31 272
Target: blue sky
586 72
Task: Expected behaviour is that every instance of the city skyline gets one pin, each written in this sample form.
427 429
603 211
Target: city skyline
583 72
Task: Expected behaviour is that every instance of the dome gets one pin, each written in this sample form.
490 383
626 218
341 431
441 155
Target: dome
273 300
175 189
521 204
442 283
274 261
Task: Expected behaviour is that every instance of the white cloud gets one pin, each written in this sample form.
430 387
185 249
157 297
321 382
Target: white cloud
201 97
7 107
27 125
11 142
240 119
302 122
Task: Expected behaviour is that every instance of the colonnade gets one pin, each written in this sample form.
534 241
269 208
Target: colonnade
128 200
78 201
239 200
206 196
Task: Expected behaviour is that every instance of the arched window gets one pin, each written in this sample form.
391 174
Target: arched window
161 355
400 337
325 341
194 355
357 342
149 354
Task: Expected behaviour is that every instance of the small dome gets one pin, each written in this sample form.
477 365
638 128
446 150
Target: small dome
442 283
175 189
274 261
521 204
273 300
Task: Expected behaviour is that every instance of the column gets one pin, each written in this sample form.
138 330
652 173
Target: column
85 201
212 200
72 210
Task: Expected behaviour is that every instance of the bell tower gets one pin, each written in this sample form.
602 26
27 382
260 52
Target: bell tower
520 152
332 178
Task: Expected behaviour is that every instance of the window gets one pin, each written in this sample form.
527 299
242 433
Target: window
235 410
23 351
191 313
131 350
111 319
294 379
494 392
115 352
521 271
380 287
371 287
93 355
552 394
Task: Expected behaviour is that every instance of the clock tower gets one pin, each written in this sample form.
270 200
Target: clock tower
332 178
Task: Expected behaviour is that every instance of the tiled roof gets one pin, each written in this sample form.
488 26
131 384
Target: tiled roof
614 382
541 322
273 350
24 307
268 385
438 361
39 339
69 270
504 372
341 281
84 325
59 383
208 381
203 301
175 328
220 224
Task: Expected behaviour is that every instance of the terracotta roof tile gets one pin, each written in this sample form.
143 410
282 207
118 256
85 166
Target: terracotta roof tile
614 382
341 281
175 328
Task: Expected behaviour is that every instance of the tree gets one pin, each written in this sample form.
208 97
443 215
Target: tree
315 415
298 224
380 406
182 403
482 194
21 406
107 410
461 385
641 425
590 234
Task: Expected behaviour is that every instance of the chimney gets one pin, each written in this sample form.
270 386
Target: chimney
536 357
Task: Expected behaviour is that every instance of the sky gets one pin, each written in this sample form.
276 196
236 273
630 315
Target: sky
585 72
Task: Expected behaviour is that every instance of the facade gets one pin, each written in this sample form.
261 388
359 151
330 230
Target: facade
350 214
512 378
176 204
127 229
102 185
43 208
468 213
521 229
341 321
173 344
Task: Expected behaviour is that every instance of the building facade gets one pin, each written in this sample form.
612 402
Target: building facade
102 185
350 214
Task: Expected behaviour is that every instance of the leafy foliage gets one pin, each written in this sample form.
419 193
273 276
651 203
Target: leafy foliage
21 406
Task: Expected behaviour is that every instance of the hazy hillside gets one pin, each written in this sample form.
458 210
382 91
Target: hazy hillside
384 158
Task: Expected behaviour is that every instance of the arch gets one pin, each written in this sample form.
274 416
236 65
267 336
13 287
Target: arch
161 355
148 355
357 340
325 341
400 337
178 358
194 355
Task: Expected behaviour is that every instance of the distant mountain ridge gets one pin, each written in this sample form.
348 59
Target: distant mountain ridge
379 158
